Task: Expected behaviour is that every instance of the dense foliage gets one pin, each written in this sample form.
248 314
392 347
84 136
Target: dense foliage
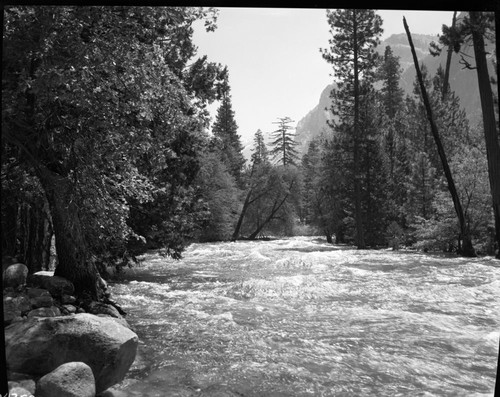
392 157
102 108
106 145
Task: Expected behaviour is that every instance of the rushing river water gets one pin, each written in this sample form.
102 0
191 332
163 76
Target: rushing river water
298 317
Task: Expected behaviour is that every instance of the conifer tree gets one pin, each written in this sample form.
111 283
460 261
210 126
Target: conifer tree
284 143
392 100
390 74
260 153
355 34
226 138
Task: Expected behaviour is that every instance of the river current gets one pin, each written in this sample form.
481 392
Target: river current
299 317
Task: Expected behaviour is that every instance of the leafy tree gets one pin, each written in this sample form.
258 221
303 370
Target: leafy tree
283 145
271 209
271 195
255 179
320 208
355 34
217 189
99 105
226 138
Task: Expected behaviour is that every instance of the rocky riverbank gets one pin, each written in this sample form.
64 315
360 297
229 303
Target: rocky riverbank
58 345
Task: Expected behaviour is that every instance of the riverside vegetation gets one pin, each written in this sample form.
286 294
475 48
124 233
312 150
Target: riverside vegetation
108 150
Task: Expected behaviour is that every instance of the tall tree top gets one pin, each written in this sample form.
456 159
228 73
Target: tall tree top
284 143
390 73
225 131
260 153
353 31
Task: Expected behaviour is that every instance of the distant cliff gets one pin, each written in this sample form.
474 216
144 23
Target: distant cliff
314 123
462 81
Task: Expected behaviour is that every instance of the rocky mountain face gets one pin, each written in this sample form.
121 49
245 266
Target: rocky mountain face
462 81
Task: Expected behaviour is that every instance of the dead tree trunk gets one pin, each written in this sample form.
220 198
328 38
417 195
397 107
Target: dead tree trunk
448 62
246 204
489 123
467 248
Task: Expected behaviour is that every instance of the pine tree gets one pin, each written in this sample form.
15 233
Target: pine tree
226 139
352 54
390 74
260 153
392 99
283 145
374 172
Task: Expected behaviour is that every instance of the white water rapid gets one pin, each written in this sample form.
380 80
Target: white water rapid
299 317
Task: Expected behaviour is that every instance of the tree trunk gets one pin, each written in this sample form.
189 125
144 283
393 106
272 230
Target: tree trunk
275 209
489 123
467 248
360 236
9 228
35 233
74 259
448 62
328 235
246 204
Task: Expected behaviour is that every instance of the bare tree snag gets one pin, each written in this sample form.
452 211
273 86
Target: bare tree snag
467 249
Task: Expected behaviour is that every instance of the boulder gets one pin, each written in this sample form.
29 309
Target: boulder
68 299
14 307
42 301
26 384
37 292
20 392
39 345
15 275
74 379
120 320
103 308
69 309
7 261
45 312
57 286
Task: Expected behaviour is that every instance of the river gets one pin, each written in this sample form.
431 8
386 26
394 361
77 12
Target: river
299 317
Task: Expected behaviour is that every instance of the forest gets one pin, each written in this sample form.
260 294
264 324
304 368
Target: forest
108 147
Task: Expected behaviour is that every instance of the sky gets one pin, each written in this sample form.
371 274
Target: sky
275 66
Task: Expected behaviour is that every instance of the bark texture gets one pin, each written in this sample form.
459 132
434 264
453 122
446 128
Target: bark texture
74 259
489 122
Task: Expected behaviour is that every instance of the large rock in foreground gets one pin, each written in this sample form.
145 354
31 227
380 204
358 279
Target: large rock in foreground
37 346
15 275
68 380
